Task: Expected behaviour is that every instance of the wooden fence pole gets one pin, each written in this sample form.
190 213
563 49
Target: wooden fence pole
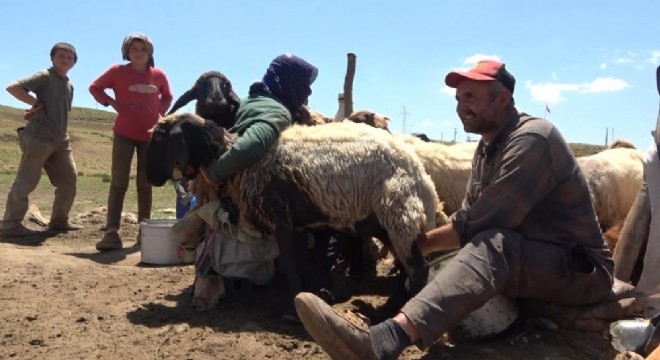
348 84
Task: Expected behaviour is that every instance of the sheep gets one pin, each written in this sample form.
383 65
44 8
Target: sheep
469 147
340 176
370 118
421 136
216 99
448 166
614 177
308 116
622 144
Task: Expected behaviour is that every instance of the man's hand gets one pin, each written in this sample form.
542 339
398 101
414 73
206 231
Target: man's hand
441 238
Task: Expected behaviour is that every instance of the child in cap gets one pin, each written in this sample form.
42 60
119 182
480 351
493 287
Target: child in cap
44 143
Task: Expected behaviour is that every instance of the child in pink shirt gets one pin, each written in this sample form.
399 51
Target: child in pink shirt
141 94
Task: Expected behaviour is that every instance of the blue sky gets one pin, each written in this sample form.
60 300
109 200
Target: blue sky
591 62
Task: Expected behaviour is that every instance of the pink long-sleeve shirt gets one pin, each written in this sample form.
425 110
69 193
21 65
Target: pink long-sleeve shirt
140 97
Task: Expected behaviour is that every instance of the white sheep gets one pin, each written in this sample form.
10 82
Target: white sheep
448 165
614 177
340 176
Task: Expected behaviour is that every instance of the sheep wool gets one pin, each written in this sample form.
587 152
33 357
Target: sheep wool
348 172
449 167
614 177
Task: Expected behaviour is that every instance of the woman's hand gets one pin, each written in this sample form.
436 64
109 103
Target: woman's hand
205 175
192 186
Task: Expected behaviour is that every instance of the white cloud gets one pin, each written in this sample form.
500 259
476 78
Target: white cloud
620 61
479 57
602 66
603 85
553 93
426 124
469 62
446 90
655 57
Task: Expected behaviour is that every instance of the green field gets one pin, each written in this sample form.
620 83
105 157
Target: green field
91 140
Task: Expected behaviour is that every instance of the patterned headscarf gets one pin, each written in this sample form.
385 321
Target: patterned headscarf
138 36
289 78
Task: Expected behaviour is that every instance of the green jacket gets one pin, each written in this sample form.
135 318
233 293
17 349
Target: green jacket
259 121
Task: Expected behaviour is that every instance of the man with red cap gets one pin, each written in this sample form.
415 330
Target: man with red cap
527 229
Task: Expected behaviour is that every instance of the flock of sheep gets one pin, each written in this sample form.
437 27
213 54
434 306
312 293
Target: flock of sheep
352 177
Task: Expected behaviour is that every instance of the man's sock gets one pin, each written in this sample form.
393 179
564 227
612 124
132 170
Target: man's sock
389 339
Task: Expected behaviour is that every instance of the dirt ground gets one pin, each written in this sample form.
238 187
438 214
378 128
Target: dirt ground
61 299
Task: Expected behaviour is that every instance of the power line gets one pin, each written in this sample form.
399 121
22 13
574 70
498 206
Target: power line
404 113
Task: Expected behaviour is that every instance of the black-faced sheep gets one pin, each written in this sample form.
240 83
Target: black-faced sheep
216 99
422 136
340 176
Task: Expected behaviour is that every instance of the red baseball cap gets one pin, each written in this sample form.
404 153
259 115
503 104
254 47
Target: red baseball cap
485 70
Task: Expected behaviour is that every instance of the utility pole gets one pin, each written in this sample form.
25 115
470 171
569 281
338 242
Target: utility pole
607 132
404 114
455 132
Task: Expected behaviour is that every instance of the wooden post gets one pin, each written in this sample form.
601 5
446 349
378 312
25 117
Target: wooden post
634 233
348 84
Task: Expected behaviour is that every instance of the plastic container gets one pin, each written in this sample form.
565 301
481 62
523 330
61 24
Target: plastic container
630 335
184 205
158 243
492 318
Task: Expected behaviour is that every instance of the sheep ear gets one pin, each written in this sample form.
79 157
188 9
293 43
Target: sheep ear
183 100
177 149
235 101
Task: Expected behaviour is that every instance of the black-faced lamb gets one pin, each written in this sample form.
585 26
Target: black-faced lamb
340 176
216 99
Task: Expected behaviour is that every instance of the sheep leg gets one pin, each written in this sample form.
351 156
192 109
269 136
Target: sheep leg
356 256
328 279
287 265
409 283
420 270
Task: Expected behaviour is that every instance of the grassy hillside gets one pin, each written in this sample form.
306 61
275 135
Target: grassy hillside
91 140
